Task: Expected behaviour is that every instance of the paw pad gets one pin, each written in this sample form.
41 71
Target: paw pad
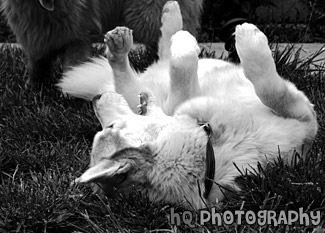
119 40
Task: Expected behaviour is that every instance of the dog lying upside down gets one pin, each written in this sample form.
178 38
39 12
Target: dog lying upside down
250 109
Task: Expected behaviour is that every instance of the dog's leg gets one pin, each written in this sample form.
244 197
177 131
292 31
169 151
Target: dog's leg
184 83
120 41
75 53
278 94
39 72
172 22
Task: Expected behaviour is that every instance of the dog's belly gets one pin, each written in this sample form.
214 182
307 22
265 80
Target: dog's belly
228 102
221 79
217 78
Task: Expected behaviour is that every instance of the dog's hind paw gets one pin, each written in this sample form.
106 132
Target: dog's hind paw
119 41
251 44
254 53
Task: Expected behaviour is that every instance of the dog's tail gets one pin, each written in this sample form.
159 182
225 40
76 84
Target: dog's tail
88 79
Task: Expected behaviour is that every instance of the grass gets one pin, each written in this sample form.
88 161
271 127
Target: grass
45 142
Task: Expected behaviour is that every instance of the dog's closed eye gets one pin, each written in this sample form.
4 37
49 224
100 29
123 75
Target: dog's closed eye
110 126
114 124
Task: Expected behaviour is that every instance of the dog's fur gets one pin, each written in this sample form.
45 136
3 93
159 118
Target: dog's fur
46 28
253 113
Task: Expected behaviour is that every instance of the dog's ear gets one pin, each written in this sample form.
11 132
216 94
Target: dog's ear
47 4
109 107
120 163
105 169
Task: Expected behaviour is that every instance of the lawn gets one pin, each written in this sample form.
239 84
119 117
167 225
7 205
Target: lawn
45 142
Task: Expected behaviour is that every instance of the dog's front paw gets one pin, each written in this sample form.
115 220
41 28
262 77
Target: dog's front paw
119 41
171 19
184 50
251 44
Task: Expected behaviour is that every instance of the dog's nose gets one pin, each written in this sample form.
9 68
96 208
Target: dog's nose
97 97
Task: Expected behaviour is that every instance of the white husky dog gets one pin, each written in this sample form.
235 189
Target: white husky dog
251 111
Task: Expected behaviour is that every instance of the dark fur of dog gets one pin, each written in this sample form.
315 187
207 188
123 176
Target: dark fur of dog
47 28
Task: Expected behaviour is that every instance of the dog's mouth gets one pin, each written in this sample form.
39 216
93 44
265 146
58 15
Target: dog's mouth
122 178
118 180
111 187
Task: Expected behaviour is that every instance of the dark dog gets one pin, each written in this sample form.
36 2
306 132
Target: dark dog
46 28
